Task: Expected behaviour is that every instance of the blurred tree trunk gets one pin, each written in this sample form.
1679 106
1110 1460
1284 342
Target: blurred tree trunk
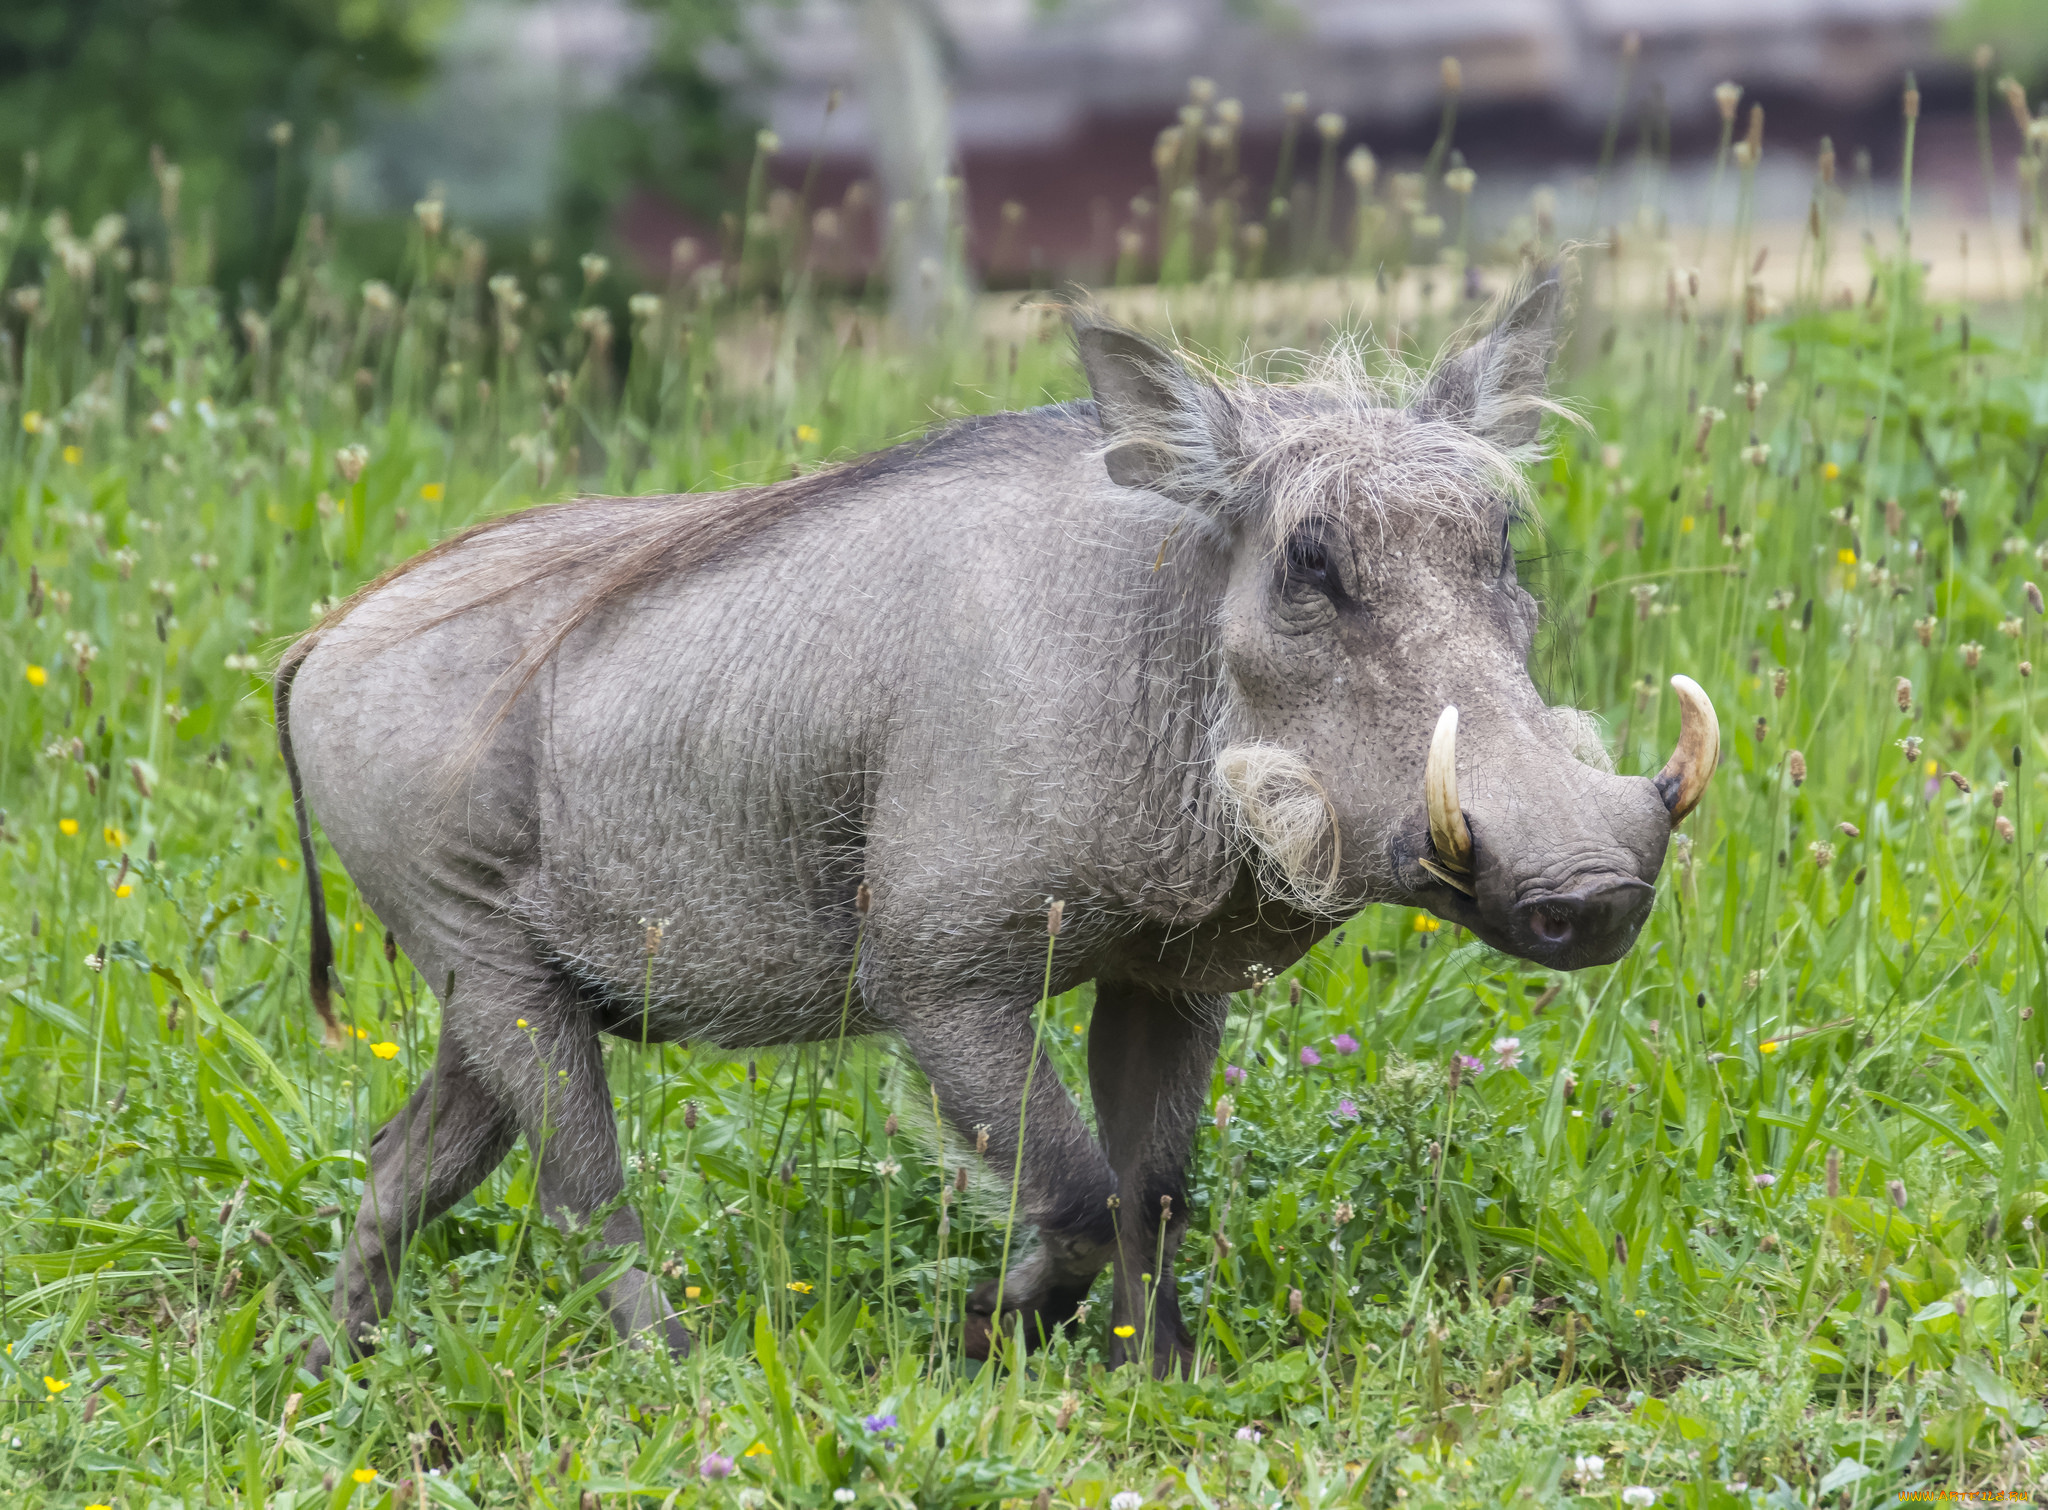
905 83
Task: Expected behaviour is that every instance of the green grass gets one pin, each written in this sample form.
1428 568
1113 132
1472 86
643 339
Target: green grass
1661 1238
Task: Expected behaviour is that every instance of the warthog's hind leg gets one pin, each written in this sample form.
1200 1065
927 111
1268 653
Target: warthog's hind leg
550 1071
440 1146
519 1054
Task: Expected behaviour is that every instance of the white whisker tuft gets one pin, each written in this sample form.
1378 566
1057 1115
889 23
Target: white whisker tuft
1283 815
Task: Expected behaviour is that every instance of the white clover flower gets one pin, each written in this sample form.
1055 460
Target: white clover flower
1639 1495
1127 1499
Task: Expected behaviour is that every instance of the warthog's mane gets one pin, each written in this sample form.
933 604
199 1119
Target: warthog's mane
1349 433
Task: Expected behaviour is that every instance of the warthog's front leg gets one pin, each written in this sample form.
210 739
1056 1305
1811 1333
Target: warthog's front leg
977 1058
1150 1055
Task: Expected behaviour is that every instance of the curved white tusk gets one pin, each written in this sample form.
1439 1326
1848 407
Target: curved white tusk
1684 778
1447 830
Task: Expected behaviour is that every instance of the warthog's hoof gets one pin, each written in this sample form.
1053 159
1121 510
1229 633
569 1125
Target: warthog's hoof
1043 1316
1171 1355
677 1337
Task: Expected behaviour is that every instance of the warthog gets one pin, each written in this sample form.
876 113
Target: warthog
1213 662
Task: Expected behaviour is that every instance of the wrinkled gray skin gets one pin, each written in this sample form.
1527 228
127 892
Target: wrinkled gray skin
977 673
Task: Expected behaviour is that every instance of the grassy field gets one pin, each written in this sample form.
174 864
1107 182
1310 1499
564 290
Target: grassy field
1752 1218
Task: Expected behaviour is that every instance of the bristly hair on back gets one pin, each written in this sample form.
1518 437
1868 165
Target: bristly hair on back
616 547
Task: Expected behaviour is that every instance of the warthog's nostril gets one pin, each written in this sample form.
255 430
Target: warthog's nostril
1590 926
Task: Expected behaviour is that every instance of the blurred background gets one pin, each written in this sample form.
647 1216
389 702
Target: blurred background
927 145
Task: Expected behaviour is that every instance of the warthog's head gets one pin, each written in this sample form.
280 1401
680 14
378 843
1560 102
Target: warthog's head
1378 732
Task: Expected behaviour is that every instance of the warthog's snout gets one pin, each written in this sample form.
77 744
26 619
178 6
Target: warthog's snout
1592 925
1549 858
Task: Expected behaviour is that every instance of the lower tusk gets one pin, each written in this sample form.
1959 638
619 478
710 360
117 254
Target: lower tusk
1447 830
1683 781
1450 878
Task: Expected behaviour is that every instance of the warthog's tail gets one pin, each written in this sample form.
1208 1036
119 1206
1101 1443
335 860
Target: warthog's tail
320 961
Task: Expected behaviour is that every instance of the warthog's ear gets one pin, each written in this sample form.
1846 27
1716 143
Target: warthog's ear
1159 419
1495 387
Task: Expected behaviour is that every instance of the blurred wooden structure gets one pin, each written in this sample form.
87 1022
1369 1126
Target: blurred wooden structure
1056 108
1032 77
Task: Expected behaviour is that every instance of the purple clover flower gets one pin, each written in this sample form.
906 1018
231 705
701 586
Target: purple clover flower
716 1465
880 1424
1471 1064
1310 1057
1344 1043
1347 1109
1233 1074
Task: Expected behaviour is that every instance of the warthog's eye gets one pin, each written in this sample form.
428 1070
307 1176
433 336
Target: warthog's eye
1308 563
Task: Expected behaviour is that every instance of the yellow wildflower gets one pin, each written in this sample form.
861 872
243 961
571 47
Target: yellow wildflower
758 1450
522 1022
67 826
123 890
33 422
433 492
1685 525
113 836
1846 556
799 1286
1768 1046
364 1475
692 1292
805 434
1424 923
1830 471
55 1386
1933 768
1125 1331
36 675
72 456
384 1050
